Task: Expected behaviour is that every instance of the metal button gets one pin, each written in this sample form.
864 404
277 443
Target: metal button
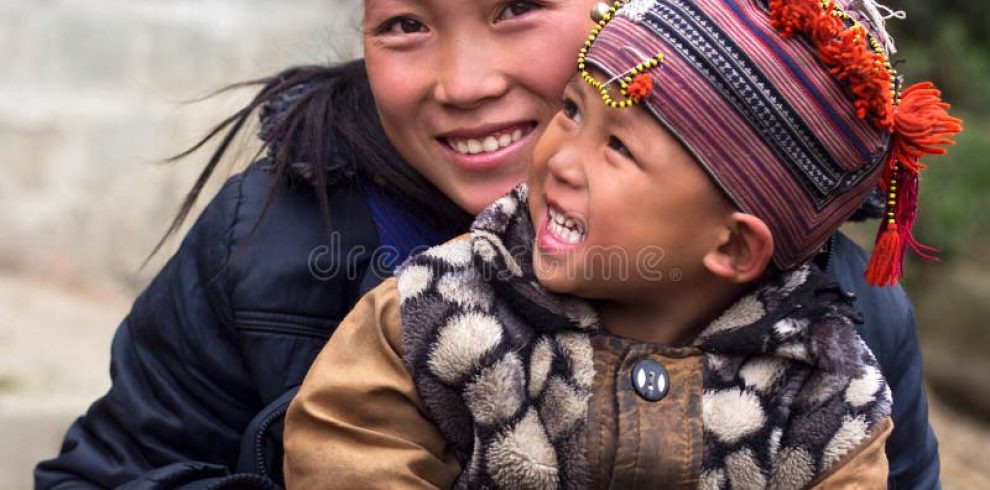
599 11
650 380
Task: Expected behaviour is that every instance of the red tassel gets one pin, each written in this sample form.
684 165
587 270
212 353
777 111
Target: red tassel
922 126
885 262
907 213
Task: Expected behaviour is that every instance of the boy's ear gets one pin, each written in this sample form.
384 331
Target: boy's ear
744 250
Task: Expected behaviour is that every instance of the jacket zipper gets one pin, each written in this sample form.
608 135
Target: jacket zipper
259 439
831 253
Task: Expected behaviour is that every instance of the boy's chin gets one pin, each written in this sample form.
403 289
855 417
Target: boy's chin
553 278
562 281
552 284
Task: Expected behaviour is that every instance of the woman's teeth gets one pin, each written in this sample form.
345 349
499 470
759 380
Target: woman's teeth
488 144
566 229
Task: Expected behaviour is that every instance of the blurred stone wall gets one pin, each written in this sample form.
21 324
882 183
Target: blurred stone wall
92 95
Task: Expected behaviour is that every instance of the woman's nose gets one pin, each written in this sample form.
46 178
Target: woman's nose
470 74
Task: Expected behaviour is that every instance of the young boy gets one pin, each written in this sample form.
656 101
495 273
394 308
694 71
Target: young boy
644 314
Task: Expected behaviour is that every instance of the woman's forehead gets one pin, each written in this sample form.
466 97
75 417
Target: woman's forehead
440 5
454 6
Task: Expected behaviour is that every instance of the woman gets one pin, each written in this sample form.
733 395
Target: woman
391 153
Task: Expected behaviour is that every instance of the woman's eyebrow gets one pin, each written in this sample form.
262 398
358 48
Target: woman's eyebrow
374 6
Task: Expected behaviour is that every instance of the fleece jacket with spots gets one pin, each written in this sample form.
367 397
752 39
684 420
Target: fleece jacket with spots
467 374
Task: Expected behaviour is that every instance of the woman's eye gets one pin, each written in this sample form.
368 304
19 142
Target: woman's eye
402 25
617 145
515 9
570 110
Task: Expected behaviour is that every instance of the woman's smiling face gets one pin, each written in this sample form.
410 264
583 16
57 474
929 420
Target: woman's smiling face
465 87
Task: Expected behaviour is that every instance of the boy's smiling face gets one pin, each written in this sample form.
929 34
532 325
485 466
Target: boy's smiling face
621 209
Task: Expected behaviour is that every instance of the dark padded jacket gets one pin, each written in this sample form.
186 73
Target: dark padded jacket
205 364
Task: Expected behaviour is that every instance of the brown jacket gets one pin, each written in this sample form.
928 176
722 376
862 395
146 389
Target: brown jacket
358 421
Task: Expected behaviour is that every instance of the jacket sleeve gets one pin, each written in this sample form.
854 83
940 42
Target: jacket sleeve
358 421
866 468
913 451
889 331
179 399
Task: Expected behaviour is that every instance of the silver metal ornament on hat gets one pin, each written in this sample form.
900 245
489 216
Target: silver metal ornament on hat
599 11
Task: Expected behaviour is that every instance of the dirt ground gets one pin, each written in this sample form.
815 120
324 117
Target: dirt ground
964 447
54 353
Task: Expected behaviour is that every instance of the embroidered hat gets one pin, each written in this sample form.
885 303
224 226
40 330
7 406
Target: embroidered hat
791 106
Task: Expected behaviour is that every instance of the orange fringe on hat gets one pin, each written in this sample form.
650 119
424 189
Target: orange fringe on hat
919 122
845 51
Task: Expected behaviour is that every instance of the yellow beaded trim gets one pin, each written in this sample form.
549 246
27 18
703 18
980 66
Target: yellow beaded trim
896 96
874 44
625 80
892 197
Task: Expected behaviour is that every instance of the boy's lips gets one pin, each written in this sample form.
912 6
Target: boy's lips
488 147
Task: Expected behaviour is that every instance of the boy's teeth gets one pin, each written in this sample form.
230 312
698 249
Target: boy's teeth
564 228
487 144
565 222
571 237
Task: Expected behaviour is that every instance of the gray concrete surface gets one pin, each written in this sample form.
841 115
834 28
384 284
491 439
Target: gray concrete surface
54 359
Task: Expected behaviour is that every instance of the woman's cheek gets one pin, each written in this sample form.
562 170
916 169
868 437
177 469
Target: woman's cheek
555 53
386 75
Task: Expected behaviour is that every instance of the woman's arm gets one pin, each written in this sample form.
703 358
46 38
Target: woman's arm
358 421
180 397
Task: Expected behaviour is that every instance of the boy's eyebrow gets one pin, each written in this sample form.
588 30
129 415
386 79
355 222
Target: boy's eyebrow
575 85
614 117
619 119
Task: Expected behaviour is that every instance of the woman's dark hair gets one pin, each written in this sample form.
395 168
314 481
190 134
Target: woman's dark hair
320 125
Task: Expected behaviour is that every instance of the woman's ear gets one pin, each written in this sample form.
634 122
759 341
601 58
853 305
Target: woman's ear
744 249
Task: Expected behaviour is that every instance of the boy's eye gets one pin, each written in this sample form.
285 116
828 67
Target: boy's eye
401 25
515 9
617 145
570 110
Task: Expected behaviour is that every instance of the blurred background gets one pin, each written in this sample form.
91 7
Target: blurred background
93 95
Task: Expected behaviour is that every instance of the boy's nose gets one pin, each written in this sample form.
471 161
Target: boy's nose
469 76
565 166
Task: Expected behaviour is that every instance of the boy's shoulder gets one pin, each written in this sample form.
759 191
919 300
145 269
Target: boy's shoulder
789 378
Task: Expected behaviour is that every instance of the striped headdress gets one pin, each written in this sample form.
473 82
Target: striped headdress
791 106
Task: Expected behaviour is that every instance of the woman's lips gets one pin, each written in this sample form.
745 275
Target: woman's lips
485 151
